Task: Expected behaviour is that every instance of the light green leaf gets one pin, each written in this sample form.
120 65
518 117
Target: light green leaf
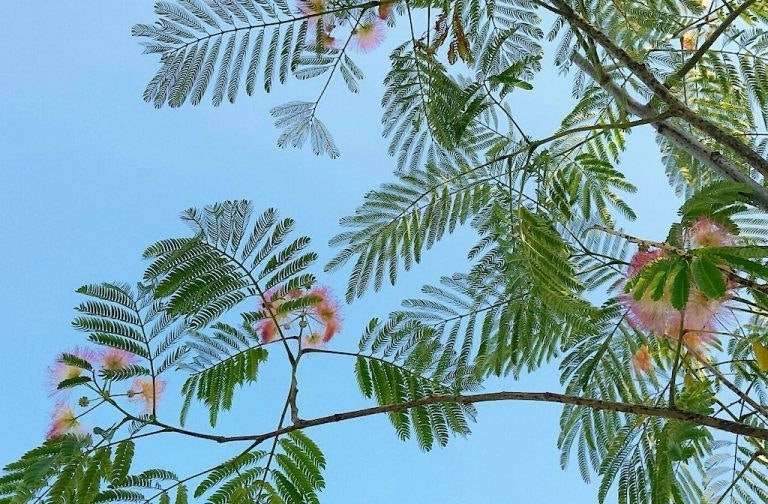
708 277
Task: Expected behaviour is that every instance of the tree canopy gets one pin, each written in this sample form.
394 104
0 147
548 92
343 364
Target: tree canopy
661 345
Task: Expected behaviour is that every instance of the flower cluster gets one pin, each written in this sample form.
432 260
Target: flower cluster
367 32
64 420
62 371
689 40
641 360
146 391
696 320
318 322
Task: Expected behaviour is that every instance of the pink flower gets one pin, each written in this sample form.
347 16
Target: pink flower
315 9
689 40
147 391
64 422
115 359
271 306
641 258
369 34
329 42
326 311
696 319
641 361
327 308
384 9
314 340
707 233
268 330
61 371
331 328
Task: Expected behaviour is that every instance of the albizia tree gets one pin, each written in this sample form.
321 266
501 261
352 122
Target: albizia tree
661 345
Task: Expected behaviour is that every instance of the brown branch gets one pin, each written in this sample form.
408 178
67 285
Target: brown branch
676 135
550 397
674 105
728 21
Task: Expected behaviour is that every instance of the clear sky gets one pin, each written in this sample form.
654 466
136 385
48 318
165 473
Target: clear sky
90 175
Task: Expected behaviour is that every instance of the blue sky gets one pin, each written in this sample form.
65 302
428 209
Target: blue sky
91 175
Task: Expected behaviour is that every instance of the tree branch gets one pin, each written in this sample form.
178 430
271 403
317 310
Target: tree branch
730 19
677 136
550 397
675 105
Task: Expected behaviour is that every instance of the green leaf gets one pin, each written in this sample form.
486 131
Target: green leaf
74 360
708 277
181 494
739 262
657 284
72 382
681 285
122 462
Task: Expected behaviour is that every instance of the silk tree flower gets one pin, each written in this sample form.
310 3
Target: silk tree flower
641 361
268 330
64 422
329 41
689 40
659 317
384 9
369 34
327 312
61 370
268 326
115 359
147 391
707 233
662 319
314 340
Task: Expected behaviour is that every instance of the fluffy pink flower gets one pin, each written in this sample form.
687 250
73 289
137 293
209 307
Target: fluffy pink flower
314 340
327 309
115 359
329 42
271 305
64 422
327 312
707 233
369 34
146 391
268 330
384 10
689 40
61 371
641 361
331 328
641 258
659 317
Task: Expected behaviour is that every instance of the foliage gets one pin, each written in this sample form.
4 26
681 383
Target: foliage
661 345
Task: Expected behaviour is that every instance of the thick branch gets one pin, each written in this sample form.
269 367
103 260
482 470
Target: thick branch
677 136
677 107
550 397
728 21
